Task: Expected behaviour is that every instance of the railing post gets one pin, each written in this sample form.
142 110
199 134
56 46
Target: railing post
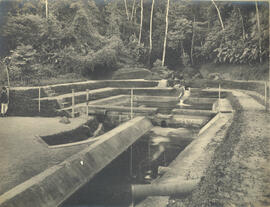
131 104
39 94
87 101
265 95
268 88
218 97
73 103
120 118
132 198
149 155
131 162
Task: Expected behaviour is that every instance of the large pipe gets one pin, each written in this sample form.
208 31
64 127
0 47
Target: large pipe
182 189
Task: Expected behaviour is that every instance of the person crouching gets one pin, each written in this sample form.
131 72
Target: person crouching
4 101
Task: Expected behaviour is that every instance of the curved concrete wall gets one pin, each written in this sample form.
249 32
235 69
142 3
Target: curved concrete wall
56 184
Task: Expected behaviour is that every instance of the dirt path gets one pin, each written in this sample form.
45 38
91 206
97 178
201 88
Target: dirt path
239 173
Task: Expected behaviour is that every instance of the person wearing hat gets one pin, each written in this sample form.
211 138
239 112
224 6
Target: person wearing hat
4 101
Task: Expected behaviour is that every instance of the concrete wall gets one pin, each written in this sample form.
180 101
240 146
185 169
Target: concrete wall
22 101
82 86
257 86
56 184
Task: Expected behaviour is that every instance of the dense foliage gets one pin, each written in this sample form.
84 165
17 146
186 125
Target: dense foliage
90 37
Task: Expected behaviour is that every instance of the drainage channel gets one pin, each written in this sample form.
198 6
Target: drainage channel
140 164
145 160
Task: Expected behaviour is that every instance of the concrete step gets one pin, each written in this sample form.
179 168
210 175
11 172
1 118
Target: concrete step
148 110
112 100
153 91
207 94
104 101
197 106
193 112
192 100
190 120
80 97
178 121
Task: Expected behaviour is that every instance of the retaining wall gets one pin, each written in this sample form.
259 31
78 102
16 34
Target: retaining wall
22 103
257 86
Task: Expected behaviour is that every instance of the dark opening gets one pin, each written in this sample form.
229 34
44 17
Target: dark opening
163 124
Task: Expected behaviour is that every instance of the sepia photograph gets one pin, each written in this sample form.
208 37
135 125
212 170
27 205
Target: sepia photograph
134 103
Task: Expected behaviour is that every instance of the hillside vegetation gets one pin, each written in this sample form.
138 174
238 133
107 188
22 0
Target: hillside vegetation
82 39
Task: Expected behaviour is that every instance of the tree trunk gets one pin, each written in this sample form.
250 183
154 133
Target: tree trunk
166 34
242 22
140 34
132 11
219 16
150 33
269 58
135 14
126 9
192 42
46 7
259 31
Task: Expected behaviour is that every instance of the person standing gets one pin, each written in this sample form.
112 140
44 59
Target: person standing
4 101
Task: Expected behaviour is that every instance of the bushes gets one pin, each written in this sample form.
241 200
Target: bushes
22 64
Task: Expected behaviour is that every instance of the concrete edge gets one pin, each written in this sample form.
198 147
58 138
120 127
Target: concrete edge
54 185
78 83
210 123
162 201
87 141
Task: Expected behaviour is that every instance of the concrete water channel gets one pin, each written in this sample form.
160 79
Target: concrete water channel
175 124
140 132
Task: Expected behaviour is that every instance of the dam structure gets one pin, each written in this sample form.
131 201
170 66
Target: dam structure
60 138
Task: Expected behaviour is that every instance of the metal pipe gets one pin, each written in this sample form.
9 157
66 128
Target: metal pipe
183 188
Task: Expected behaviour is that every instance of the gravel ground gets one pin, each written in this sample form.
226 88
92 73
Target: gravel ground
239 173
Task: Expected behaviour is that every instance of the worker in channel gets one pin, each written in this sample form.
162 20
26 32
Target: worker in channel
4 101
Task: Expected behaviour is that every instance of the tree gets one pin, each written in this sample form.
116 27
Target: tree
259 30
141 23
46 6
132 11
150 30
192 41
22 64
166 33
126 8
242 24
219 16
